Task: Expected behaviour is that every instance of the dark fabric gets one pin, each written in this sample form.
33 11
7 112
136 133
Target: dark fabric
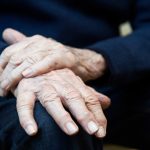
3 45
93 24
129 114
49 137
88 24
128 122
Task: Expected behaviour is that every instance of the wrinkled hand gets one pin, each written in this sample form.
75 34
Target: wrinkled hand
56 90
32 56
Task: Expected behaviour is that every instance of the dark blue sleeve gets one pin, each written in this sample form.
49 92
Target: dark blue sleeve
128 58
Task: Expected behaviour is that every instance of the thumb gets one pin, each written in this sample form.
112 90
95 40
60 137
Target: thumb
12 36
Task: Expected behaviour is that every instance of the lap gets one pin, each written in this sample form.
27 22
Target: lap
49 136
128 122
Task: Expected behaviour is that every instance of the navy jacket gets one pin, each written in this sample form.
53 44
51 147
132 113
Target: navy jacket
89 24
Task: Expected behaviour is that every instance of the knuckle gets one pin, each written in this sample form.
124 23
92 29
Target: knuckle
48 98
91 100
103 121
46 103
37 36
84 116
24 107
72 95
51 40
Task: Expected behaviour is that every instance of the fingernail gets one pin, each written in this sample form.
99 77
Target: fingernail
30 130
5 84
92 126
101 132
27 73
71 128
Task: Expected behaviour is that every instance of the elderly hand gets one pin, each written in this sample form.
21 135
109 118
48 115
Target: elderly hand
32 56
55 90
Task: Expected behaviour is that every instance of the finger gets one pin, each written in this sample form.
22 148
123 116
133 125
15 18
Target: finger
104 100
94 105
4 75
91 100
12 75
76 105
46 65
51 101
14 49
25 106
10 51
12 36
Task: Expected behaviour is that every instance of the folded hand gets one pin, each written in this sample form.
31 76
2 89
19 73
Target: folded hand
32 56
56 90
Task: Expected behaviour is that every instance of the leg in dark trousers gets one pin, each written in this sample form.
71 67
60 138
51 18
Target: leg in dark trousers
49 137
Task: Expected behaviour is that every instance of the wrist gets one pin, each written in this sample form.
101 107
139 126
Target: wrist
89 64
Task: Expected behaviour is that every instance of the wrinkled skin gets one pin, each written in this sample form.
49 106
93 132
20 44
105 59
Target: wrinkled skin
59 89
55 89
32 56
